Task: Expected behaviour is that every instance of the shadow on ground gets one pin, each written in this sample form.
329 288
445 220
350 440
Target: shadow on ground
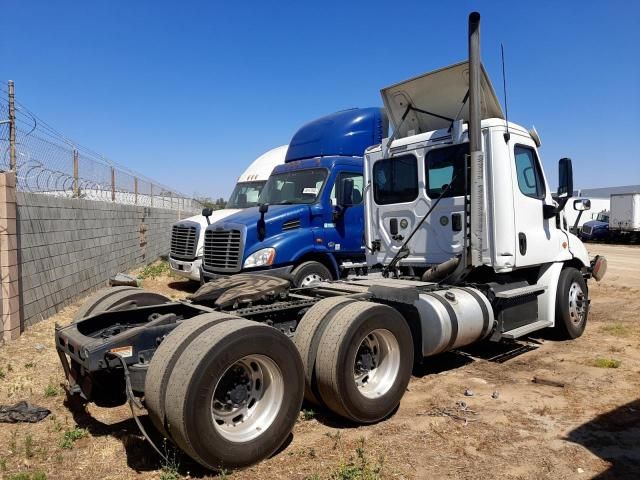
141 456
614 437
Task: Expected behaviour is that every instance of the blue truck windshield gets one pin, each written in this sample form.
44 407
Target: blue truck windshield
245 195
298 186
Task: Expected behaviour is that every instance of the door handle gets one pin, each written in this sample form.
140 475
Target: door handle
522 243
393 226
456 222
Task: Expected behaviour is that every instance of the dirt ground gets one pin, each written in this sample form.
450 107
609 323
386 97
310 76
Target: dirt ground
509 428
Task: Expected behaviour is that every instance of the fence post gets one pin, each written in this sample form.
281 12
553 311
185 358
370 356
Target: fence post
76 179
12 127
113 184
151 192
135 190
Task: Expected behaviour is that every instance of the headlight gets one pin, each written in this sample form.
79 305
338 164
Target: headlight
261 258
200 251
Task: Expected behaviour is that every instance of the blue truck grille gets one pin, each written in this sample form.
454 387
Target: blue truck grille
586 229
184 240
222 250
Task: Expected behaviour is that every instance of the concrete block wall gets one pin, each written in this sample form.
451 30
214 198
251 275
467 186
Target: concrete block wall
68 247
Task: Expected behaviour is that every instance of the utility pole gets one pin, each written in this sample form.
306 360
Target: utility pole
12 127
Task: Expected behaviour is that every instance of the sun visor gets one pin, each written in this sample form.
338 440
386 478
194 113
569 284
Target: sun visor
441 92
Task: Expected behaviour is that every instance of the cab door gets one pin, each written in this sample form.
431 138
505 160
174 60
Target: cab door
346 233
536 237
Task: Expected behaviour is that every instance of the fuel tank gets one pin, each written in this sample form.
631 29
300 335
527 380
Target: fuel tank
452 318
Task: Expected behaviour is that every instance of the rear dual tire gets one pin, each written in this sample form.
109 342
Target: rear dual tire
363 358
233 393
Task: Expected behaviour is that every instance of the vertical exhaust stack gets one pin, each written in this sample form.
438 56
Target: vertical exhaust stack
475 145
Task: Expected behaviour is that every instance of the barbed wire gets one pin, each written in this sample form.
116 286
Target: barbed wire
50 163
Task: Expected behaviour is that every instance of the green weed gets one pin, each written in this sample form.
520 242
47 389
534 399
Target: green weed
28 476
307 414
617 329
335 437
71 436
28 446
155 270
606 363
359 467
51 391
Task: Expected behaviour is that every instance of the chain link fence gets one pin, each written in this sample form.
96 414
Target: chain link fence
49 163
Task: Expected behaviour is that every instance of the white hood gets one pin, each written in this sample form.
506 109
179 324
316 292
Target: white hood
217 215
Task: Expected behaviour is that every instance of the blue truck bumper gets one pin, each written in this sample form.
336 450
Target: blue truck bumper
276 272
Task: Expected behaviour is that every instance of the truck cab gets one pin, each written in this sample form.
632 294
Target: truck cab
597 229
309 223
420 185
187 236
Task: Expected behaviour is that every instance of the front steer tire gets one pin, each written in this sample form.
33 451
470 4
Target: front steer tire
364 362
234 394
572 304
307 273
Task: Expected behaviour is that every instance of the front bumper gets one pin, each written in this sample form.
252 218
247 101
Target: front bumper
187 269
283 272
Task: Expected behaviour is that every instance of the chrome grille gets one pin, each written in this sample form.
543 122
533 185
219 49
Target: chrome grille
222 250
184 239
586 229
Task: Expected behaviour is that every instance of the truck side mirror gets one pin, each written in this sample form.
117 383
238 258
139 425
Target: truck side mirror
345 192
565 178
582 204
206 212
262 226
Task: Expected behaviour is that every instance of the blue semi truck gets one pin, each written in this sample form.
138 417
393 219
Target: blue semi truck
309 224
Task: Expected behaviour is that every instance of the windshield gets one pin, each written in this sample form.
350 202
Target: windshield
603 217
297 186
245 195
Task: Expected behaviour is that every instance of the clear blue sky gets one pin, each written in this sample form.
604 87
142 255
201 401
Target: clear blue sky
189 93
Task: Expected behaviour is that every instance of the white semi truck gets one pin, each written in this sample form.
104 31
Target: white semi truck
470 244
187 236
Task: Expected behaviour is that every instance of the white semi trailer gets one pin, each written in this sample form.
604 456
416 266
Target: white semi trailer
470 244
187 236
624 217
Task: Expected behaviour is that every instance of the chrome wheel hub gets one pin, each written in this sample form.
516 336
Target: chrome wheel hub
577 303
247 398
310 279
377 363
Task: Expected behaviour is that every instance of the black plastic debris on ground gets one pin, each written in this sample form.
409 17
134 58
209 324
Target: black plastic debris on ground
22 412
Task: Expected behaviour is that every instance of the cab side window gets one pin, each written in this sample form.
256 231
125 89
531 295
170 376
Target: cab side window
445 166
528 172
358 187
395 180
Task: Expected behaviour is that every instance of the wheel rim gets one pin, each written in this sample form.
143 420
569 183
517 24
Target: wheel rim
577 303
311 278
377 363
247 398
